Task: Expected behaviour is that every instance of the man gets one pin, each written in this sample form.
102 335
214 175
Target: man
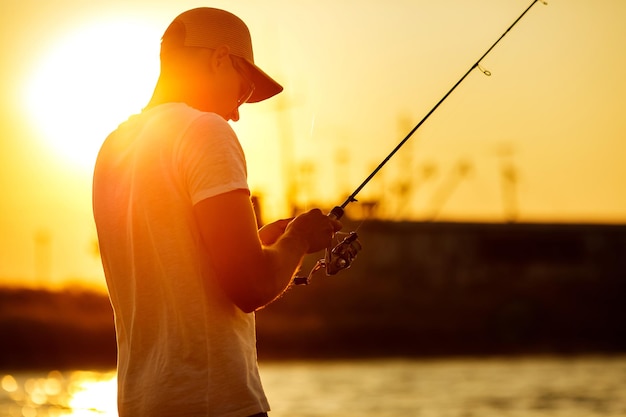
185 265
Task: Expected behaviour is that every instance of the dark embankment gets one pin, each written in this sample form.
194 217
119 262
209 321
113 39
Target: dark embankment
414 290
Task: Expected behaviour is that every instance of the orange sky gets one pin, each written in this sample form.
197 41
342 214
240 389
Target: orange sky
358 74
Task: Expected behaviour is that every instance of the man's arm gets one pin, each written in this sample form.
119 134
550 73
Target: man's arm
251 274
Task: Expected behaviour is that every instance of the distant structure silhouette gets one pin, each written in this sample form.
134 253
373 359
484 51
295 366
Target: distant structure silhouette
458 173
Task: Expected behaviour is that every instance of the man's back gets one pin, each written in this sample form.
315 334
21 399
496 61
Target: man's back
184 347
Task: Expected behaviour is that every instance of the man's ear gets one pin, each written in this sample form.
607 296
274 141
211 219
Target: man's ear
220 56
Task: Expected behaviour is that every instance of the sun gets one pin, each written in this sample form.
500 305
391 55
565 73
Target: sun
92 80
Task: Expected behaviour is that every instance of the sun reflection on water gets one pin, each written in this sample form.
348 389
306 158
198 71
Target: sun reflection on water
70 394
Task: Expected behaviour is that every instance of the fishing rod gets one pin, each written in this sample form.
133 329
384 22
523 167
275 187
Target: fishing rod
341 256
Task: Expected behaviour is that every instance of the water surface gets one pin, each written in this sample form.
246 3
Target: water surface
495 387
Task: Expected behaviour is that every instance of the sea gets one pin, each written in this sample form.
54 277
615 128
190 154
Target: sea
546 386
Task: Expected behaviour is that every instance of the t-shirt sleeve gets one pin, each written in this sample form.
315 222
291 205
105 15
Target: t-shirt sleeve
210 159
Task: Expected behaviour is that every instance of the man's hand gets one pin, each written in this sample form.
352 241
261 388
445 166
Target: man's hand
272 231
315 228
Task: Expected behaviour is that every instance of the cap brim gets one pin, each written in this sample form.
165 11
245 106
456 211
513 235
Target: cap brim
264 85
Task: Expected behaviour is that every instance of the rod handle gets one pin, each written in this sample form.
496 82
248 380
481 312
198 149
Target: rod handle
336 213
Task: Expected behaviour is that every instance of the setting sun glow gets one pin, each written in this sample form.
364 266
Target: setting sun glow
92 80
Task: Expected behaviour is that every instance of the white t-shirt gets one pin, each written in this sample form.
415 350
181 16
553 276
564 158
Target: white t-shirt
184 349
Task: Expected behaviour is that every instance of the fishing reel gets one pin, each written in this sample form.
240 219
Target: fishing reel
336 259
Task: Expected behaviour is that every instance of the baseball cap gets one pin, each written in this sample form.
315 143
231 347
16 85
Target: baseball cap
207 27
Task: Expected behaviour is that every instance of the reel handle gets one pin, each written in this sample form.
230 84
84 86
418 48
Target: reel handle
336 213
